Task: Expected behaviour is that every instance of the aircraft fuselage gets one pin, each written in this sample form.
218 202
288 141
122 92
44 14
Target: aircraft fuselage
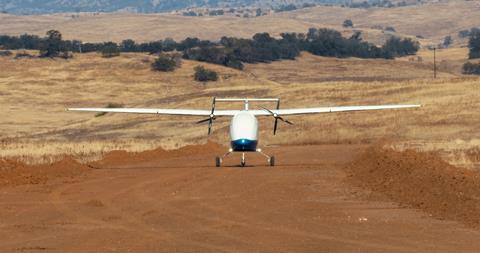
244 132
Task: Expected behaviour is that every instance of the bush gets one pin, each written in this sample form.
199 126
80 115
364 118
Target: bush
5 53
471 68
390 29
165 63
23 55
203 75
110 49
474 44
447 41
347 23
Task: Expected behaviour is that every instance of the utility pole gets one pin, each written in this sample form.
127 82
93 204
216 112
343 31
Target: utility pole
434 62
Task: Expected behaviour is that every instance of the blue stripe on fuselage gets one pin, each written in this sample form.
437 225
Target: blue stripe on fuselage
244 145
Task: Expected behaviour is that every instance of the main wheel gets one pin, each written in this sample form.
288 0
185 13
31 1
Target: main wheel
272 161
218 162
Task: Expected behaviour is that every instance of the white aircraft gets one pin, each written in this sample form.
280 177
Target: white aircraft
244 125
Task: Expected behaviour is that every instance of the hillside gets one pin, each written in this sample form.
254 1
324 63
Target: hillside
432 21
144 6
36 91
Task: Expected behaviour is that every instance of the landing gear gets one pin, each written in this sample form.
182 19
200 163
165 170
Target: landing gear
243 163
272 161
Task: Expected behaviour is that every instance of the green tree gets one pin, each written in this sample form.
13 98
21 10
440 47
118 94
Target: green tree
471 68
110 49
164 63
447 41
203 75
53 44
128 46
474 44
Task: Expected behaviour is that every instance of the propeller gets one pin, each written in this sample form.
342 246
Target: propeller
277 117
210 119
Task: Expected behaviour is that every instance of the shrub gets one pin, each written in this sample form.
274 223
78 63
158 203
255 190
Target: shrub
471 68
23 54
203 75
347 23
447 41
474 44
390 29
5 53
165 63
110 49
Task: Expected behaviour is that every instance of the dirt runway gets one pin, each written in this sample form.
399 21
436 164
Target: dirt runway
181 203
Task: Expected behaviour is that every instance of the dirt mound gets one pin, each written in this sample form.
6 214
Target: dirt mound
420 180
121 157
16 173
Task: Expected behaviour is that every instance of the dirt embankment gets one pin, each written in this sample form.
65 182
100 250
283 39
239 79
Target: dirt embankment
420 180
14 173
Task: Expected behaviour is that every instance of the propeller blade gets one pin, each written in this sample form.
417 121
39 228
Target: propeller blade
273 114
213 105
212 116
203 120
275 126
285 120
210 126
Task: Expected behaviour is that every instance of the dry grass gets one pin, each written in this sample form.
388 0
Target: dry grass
34 93
449 60
434 21
313 69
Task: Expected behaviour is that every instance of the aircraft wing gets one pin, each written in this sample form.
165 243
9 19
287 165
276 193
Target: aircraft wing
299 111
186 112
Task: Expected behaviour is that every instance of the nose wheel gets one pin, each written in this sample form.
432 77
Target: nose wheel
242 162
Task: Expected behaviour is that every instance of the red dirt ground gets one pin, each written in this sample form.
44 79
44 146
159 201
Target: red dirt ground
420 180
177 201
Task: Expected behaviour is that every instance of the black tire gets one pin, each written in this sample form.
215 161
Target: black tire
272 161
218 162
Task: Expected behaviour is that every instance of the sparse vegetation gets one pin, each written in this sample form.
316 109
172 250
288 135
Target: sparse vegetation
204 75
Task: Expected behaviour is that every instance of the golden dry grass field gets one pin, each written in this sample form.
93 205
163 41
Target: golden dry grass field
35 92
433 21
